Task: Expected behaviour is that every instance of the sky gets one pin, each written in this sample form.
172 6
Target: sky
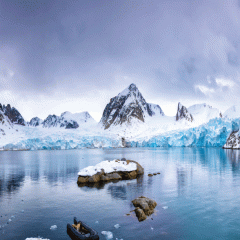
75 55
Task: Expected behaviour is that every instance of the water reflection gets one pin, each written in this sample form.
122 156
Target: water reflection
11 182
181 180
234 159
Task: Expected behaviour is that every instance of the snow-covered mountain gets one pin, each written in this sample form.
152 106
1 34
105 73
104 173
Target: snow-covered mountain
182 113
202 113
82 118
232 112
34 122
56 121
128 107
13 114
127 120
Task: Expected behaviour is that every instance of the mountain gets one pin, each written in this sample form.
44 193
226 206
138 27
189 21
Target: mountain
202 113
34 122
182 113
82 118
128 106
56 121
13 115
232 112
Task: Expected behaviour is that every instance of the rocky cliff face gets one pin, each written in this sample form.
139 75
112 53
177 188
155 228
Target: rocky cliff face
182 113
233 140
13 115
128 105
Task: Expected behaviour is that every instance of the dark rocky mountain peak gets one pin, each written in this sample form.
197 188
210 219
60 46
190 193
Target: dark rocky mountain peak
126 106
182 113
13 114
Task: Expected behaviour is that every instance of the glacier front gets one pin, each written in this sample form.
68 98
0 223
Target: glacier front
212 134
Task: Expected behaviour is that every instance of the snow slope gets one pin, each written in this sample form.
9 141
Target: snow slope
232 112
202 113
84 119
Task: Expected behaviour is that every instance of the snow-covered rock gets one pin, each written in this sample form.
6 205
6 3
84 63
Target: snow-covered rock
108 167
56 121
34 122
232 112
110 170
182 113
82 118
127 106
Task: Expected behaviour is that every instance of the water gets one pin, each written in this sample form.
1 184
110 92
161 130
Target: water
197 194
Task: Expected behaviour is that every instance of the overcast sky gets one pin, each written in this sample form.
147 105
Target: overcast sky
75 55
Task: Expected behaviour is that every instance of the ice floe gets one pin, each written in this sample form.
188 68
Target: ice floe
53 227
107 234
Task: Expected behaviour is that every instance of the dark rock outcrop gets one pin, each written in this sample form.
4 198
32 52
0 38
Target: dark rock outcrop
233 140
117 175
182 113
126 106
143 207
13 114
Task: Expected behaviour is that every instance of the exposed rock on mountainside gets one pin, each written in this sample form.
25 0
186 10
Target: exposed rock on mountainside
233 140
55 121
13 114
182 113
34 122
127 105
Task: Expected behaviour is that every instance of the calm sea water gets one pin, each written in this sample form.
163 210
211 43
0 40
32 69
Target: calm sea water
197 192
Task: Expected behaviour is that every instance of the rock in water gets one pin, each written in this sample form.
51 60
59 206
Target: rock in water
144 207
110 170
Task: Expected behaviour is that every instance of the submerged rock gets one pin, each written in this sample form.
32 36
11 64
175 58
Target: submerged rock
110 170
144 207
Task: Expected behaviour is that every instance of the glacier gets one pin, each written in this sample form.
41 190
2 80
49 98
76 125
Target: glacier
212 134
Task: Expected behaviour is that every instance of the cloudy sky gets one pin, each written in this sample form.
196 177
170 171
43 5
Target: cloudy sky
74 55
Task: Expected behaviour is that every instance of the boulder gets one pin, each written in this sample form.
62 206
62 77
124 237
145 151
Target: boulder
147 205
140 214
115 175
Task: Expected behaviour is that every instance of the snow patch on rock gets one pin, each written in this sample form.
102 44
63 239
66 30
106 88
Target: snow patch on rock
108 167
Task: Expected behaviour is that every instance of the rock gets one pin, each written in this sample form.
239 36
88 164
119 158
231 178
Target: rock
147 205
117 175
140 214
82 179
113 176
182 113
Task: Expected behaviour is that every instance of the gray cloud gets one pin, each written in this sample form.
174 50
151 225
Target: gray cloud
69 48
